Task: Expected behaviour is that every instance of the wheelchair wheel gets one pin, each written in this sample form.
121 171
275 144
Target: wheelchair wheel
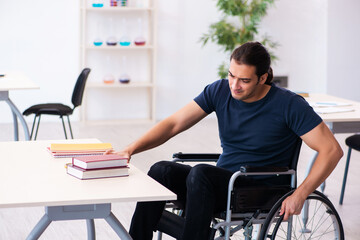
322 221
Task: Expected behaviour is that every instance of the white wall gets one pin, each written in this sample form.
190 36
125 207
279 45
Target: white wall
42 40
300 28
184 68
344 49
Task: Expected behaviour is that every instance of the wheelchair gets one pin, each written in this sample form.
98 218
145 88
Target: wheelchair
253 213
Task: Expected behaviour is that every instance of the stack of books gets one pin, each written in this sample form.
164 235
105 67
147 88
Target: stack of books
68 150
101 166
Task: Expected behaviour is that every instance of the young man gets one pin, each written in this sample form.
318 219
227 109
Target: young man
258 125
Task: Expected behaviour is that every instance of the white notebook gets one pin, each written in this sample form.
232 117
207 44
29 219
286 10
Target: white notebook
329 104
324 110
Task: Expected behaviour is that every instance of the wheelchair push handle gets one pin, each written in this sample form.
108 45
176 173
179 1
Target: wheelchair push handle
252 169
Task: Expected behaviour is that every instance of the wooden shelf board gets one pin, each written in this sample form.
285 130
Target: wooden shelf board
119 85
118 47
117 9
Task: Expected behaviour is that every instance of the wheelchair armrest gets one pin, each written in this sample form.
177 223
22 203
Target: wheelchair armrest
195 157
264 169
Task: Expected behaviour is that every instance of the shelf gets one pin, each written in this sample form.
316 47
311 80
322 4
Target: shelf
117 9
107 59
118 47
119 85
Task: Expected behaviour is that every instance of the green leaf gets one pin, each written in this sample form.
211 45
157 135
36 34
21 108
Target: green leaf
223 70
228 36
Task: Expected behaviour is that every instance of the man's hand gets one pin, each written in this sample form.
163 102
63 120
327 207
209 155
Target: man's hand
124 154
292 205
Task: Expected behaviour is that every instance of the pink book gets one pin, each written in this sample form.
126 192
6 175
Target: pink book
100 161
97 173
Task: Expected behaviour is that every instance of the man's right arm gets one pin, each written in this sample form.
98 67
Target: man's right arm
180 121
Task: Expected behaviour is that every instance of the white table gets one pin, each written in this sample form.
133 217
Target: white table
344 122
30 176
15 81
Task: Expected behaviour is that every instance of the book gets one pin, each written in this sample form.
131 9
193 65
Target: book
303 94
100 161
74 154
67 150
80 147
96 173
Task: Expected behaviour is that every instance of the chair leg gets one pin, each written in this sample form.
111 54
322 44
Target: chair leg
37 127
70 126
62 119
345 176
159 236
32 128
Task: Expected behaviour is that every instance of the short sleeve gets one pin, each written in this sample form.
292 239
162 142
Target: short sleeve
301 117
207 98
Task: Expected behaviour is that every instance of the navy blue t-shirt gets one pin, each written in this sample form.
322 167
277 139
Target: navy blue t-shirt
261 133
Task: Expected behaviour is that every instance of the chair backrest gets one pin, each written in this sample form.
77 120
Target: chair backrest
80 87
296 153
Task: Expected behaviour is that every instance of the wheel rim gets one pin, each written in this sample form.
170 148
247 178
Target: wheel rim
322 223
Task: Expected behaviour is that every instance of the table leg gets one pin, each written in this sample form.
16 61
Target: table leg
16 112
90 229
16 127
118 227
88 212
39 228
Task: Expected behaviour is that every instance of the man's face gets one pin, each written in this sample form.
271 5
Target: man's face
244 83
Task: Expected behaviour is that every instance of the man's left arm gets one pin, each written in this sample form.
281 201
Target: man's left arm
329 151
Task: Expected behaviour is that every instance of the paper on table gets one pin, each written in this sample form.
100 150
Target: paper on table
323 110
329 104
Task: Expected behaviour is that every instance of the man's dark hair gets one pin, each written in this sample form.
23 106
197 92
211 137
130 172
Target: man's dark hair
254 54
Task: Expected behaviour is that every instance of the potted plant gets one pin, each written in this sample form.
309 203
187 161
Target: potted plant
238 25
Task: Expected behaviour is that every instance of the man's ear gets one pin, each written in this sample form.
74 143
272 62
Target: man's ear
263 78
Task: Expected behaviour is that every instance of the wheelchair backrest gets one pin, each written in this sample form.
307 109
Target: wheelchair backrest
296 153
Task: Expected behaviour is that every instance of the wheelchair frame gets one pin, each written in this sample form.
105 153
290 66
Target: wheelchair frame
247 219
228 223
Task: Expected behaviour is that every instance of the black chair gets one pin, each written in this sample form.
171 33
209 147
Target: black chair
250 208
353 142
59 109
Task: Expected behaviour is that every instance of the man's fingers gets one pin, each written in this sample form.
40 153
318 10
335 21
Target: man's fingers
282 209
286 216
109 151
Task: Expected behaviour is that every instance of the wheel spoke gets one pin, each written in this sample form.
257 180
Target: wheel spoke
320 224
312 224
316 209
323 234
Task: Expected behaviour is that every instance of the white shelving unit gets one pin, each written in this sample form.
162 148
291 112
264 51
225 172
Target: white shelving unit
136 99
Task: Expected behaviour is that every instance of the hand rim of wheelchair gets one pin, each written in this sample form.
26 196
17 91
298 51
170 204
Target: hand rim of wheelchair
316 195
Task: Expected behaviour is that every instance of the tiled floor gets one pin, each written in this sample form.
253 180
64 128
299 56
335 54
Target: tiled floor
16 223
